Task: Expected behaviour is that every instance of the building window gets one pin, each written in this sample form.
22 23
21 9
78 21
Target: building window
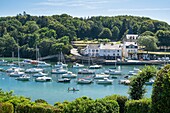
127 46
104 50
118 54
97 50
93 50
108 51
89 50
117 50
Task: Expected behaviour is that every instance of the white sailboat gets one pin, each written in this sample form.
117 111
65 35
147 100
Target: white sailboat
61 62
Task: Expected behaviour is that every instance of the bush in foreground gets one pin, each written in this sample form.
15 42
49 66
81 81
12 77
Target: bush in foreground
161 91
6 108
138 106
120 99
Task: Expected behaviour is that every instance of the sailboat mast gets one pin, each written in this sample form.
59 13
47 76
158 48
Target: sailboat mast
18 54
115 60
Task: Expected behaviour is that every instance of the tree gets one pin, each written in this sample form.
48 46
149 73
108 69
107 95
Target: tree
31 26
105 33
115 33
137 89
8 46
149 42
161 91
163 37
148 33
45 46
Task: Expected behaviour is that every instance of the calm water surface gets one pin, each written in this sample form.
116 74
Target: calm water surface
53 91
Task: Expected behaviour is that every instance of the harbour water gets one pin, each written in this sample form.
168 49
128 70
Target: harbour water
57 92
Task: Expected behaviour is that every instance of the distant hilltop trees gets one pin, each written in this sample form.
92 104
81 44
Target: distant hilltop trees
52 34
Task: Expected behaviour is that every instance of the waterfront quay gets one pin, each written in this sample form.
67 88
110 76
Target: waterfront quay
135 62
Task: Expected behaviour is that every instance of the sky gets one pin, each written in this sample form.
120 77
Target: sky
154 9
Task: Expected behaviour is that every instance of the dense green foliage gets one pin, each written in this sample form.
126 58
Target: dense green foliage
120 99
88 105
36 109
138 106
6 108
150 42
52 34
137 89
161 91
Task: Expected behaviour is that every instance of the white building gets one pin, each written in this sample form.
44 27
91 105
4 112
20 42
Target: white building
111 50
131 38
130 50
91 50
108 51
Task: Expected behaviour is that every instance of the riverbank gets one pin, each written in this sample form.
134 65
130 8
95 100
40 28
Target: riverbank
136 62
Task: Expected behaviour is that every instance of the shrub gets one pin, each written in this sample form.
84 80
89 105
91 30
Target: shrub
6 108
87 105
138 106
120 99
40 108
161 91
41 101
22 108
105 106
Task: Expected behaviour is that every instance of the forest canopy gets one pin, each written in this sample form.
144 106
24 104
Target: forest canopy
52 34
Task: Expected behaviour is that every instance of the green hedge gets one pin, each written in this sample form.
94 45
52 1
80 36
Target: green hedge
120 99
88 105
6 108
138 106
36 109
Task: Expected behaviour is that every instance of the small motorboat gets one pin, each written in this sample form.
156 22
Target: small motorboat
69 75
101 76
86 71
43 64
13 69
59 71
39 74
125 82
134 71
95 66
34 70
113 72
104 81
3 62
84 81
63 80
60 65
16 74
23 78
43 79
73 89
77 65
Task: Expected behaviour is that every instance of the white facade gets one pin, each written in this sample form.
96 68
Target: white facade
110 50
103 50
92 50
130 50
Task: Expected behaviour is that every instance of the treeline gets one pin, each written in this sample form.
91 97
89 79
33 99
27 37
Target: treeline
52 34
